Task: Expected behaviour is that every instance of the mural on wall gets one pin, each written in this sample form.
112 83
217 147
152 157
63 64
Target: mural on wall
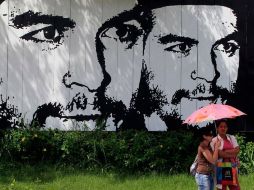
144 65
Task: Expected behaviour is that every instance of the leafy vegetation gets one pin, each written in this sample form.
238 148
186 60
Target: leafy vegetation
246 155
130 151
124 151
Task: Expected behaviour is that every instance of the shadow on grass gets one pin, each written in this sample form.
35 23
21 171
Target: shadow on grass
31 173
45 173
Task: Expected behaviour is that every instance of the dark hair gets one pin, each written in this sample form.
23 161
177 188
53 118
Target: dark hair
204 131
218 122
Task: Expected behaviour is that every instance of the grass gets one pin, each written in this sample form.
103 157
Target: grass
55 178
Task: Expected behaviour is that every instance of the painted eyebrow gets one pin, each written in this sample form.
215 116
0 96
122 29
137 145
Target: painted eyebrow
30 18
175 38
232 36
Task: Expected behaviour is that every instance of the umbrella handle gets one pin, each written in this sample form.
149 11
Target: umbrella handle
215 126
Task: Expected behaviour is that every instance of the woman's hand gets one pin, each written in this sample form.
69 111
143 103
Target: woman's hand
217 144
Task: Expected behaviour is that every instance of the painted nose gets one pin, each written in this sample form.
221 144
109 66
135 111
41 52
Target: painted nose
83 79
206 64
69 83
195 75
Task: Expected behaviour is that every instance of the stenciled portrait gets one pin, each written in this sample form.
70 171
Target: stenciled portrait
142 65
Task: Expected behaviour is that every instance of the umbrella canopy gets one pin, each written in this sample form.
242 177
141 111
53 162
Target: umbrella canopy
213 112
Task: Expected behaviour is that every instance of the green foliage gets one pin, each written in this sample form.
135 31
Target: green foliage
130 151
30 145
246 155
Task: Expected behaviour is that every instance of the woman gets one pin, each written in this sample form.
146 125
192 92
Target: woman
228 150
206 160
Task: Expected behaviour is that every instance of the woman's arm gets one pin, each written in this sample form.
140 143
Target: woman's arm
212 158
229 153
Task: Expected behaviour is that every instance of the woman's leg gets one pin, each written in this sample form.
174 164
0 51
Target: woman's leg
233 187
211 182
202 181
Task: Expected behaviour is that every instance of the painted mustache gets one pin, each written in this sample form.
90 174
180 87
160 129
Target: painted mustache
215 93
79 101
56 110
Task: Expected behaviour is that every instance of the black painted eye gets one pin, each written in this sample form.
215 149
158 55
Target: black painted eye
182 48
125 33
128 33
49 34
43 28
229 47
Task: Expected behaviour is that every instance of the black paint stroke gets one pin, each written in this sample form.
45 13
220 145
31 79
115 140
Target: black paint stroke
56 110
195 77
79 101
145 101
126 33
148 99
199 89
69 85
47 110
9 115
228 46
53 33
178 95
183 44
172 120
218 91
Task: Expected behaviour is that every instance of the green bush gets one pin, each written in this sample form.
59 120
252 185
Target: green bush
30 145
246 155
130 151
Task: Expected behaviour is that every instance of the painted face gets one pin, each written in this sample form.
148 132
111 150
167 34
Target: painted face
200 55
222 128
188 58
42 45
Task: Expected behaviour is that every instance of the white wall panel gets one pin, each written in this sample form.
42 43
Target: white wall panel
205 37
15 61
3 48
158 59
124 63
189 58
173 61
110 42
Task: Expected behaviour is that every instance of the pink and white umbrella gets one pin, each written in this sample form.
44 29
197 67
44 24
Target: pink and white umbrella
213 112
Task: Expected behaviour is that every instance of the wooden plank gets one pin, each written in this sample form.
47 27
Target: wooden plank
15 61
165 63
84 67
3 49
189 58
206 70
